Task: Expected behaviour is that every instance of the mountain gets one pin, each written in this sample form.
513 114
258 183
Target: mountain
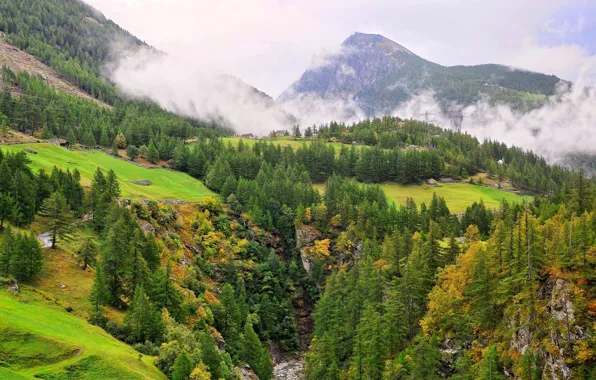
379 74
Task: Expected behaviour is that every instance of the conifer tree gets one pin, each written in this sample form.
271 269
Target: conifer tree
165 295
57 217
6 178
152 153
7 209
182 367
7 251
254 354
71 138
104 139
100 294
114 151
142 320
87 253
27 258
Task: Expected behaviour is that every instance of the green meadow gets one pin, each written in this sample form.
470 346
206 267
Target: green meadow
166 184
457 195
281 141
42 341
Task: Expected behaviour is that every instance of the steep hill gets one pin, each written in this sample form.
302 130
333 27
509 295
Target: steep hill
18 60
379 74
40 341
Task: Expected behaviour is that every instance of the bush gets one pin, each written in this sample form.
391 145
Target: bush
148 348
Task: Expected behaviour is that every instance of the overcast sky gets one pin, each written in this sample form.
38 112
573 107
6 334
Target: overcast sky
269 43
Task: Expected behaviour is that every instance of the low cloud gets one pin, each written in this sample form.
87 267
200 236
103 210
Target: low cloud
183 86
563 126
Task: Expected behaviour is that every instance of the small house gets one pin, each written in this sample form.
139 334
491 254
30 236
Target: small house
248 136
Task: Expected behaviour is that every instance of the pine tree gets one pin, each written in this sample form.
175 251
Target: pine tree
57 217
7 209
254 354
152 153
87 253
27 258
426 357
142 320
100 294
6 178
228 319
182 367
89 139
104 139
165 295
112 184
7 251
114 151
71 138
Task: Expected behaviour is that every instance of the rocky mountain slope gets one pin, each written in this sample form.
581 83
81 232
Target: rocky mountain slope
379 74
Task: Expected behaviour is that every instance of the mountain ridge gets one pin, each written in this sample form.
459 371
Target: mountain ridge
379 74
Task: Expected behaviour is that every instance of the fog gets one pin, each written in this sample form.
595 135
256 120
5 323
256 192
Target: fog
564 125
180 84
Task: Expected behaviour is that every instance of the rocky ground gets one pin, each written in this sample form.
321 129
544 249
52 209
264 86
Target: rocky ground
292 369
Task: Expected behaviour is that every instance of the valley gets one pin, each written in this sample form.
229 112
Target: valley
141 237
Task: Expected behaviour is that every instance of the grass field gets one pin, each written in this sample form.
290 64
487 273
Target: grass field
43 341
283 142
457 195
167 184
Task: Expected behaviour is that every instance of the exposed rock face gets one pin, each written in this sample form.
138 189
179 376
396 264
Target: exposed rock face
144 182
563 331
246 373
558 324
305 237
292 369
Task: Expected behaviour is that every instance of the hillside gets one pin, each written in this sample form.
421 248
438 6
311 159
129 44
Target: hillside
40 341
19 61
165 184
379 74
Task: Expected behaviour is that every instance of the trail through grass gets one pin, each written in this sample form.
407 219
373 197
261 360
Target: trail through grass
166 184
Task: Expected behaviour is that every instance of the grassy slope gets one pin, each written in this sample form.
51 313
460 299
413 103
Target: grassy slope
54 344
167 184
457 195
281 141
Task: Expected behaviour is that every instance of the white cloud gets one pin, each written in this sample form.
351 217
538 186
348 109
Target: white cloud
269 43
565 124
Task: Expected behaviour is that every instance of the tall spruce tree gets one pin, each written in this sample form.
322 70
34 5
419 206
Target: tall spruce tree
57 218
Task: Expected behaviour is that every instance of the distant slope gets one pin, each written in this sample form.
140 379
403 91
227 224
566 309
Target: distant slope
41 341
379 74
68 35
18 60
166 184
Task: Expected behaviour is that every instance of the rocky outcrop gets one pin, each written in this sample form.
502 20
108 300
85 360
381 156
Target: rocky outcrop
291 369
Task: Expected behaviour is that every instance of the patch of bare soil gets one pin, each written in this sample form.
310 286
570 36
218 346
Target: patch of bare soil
18 60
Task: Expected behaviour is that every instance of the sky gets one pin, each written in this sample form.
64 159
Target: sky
269 43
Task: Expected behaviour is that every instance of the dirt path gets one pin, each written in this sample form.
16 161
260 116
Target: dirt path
46 240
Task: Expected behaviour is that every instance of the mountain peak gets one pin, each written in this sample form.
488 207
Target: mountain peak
366 40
